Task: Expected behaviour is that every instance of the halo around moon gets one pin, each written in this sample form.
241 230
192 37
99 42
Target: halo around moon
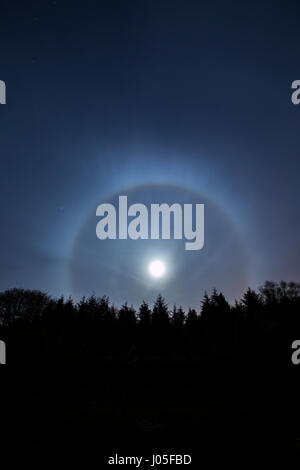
118 268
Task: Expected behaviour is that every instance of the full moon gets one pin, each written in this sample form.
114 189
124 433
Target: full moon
157 268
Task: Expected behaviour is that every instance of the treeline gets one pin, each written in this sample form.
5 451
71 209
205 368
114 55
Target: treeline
41 328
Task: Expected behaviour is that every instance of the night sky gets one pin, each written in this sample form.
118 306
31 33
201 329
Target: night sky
185 100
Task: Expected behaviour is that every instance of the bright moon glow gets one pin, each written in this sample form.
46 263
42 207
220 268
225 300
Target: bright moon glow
157 268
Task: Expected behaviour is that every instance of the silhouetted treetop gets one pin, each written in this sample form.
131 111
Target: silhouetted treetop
93 327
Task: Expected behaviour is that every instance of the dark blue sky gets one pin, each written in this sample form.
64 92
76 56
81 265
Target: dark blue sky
103 96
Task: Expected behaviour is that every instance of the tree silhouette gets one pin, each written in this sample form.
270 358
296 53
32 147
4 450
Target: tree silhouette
144 316
127 327
23 306
160 324
59 329
144 329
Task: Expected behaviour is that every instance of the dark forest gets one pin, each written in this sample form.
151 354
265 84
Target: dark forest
91 375
37 328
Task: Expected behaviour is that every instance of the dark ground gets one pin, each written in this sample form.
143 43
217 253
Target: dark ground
151 407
